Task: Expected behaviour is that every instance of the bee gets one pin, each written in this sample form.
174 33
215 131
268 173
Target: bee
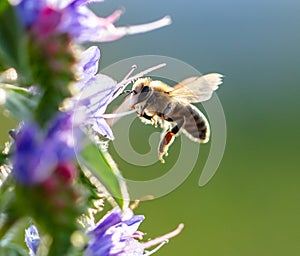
158 103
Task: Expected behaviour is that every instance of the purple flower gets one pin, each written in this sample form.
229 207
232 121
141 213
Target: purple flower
115 235
96 92
32 239
28 11
73 17
88 65
38 153
95 96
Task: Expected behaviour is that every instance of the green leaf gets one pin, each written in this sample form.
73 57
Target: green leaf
105 170
13 41
3 6
20 103
92 192
9 216
13 250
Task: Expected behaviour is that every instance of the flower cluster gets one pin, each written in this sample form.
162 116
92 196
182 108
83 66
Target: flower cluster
75 18
95 92
116 234
37 154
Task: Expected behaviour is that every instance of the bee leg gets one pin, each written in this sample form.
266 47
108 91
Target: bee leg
150 118
143 109
167 139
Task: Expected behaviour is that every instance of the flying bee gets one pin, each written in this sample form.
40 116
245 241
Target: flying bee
158 103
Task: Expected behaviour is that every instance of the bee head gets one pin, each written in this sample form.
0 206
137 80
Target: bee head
142 88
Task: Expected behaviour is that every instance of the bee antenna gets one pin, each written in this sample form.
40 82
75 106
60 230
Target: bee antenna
126 92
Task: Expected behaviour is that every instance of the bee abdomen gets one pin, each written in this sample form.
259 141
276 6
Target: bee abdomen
196 126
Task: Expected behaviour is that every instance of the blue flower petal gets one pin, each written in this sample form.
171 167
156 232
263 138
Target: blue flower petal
32 239
29 10
37 154
112 236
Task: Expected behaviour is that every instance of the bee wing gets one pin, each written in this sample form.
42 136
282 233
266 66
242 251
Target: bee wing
197 89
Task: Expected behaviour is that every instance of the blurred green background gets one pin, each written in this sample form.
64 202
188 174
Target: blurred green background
252 204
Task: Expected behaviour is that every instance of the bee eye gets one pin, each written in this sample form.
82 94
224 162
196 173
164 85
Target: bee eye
144 93
145 89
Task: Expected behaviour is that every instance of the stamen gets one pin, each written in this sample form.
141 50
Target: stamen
143 73
131 30
116 115
163 238
6 86
138 235
157 248
106 90
133 67
137 202
161 241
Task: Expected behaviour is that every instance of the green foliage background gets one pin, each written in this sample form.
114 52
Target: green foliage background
251 206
